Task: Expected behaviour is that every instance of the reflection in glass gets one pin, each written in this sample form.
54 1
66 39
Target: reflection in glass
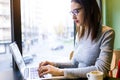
47 29
5 35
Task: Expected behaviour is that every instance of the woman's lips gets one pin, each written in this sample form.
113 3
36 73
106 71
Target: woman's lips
76 21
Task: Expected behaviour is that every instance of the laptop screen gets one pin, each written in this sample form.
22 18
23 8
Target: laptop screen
17 56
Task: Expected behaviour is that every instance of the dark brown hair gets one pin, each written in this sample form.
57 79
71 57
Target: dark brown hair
92 17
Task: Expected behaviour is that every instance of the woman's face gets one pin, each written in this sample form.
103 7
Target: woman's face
78 13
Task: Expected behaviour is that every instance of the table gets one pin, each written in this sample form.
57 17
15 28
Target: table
107 78
17 76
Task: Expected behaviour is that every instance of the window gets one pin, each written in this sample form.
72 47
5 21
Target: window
47 30
5 35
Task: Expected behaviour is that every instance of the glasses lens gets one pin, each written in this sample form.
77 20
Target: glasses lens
75 11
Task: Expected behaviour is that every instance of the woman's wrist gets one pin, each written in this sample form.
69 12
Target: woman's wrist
61 72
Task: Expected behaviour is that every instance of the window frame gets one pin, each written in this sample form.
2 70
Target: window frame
16 31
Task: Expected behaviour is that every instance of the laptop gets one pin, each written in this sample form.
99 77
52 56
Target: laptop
28 73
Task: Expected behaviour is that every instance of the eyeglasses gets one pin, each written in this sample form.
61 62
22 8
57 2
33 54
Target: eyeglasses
75 11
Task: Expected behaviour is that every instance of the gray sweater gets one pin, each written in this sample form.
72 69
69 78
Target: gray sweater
89 56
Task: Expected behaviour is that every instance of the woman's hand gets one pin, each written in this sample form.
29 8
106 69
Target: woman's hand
46 63
50 69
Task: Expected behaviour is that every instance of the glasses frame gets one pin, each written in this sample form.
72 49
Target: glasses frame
75 11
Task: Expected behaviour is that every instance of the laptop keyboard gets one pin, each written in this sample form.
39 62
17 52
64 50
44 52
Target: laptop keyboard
33 73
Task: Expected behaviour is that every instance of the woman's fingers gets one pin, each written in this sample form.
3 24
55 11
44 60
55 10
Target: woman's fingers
43 63
42 74
43 70
50 69
46 63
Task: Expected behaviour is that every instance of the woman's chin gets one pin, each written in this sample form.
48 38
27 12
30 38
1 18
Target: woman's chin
77 25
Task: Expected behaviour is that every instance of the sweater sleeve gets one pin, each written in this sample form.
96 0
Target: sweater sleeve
102 62
65 64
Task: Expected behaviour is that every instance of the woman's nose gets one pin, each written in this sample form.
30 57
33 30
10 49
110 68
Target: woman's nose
74 17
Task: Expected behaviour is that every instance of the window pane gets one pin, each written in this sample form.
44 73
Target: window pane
47 30
5 35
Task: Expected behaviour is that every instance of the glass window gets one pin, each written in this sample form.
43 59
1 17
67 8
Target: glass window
47 30
5 35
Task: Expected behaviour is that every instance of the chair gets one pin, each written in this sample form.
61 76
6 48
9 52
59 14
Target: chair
114 63
118 70
71 55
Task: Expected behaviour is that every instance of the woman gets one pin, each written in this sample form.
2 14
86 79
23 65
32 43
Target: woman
93 47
